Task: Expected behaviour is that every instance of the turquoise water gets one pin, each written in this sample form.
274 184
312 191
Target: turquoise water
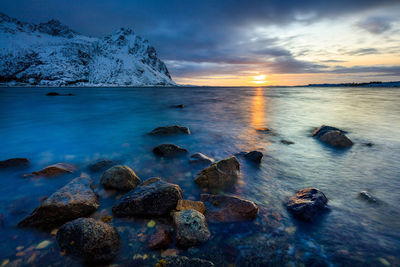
112 123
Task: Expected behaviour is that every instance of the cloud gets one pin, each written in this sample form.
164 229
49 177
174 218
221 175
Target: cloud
375 25
363 52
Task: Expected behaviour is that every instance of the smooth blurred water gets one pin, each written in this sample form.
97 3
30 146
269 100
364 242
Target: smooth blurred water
112 123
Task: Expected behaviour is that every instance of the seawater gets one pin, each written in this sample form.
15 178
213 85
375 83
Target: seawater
113 123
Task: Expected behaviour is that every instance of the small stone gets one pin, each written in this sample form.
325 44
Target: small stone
169 150
191 228
106 218
54 170
43 244
287 142
168 130
151 224
91 240
160 239
178 106
120 177
368 197
53 94
184 204
307 203
14 162
254 156
182 261
332 136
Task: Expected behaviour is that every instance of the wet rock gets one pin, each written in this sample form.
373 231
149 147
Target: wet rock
178 106
182 261
120 178
263 130
221 174
368 197
201 159
90 240
307 203
153 198
74 200
169 150
101 165
168 130
160 239
368 144
191 228
184 204
332 136
225 208
287 142
254 156
54 170
14 162
52 94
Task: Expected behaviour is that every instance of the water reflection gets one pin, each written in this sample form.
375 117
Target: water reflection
258 118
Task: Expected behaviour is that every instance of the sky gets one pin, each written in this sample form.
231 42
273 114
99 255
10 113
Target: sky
245 43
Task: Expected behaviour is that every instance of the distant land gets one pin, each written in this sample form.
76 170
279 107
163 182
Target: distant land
369 84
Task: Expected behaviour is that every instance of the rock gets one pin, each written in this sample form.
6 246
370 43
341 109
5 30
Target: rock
101 165
90 240
369 144
178 106
74 200
307 203
54 170
254 156
221 174
263 130
191 228
169 150
201 158
287 142
14 162
368 197
182 261
225 208
153 198
168 130
332 136
52 94
120 178
184 204
160 240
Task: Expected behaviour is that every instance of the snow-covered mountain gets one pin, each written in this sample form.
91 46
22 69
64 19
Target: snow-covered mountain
51 54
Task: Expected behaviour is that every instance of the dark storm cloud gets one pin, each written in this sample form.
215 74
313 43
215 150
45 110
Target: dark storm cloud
376 25
206 36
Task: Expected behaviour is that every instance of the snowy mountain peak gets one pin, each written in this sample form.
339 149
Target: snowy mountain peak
51 54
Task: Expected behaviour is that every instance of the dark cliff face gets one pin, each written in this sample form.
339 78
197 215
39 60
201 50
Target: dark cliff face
51 54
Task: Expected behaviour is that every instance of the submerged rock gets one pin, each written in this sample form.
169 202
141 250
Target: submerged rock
254 156
153 197
307 203
14 162
160 239
120 178
58 94
101 165
332 136
221 174
54 170
225 208
263 130
368 197
201 158
169 150
182 261
191 228
90 240
168 130
74 200
287 142
184 204
178 106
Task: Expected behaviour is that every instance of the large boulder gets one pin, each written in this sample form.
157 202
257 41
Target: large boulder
254 156
14 162
54 170
120 178
101 165
169 150
74 200
201 159
191 228
307 203
168 130
332 136
225 208
182 261
90 240
154 197
221 174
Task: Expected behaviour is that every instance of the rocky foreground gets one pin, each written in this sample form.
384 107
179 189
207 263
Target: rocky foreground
94 240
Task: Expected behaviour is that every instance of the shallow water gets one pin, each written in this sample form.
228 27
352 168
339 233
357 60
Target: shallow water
112 123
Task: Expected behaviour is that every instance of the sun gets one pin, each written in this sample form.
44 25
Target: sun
259 79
